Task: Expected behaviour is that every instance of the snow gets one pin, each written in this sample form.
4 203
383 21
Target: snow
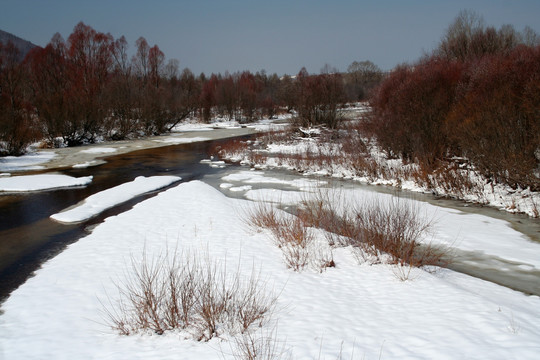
451 228
348 309
214 163
258 177
86 164
393 172
259 125
99 150
41 182
190 125
180 140
240 188
103 200
25 162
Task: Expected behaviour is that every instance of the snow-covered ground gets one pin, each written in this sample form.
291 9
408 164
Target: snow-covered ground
222 123
24 183
103 200
351 311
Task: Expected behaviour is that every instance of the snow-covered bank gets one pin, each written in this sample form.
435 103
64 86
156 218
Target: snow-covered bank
348 309
186 132
352 157
41 182
103 200
90 155
452 228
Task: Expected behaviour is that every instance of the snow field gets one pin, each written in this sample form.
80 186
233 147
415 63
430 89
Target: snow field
350 308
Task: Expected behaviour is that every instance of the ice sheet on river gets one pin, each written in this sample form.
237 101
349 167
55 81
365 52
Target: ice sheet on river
41 182
103 200
25 162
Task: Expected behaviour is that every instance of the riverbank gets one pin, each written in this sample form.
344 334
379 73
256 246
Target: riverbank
348 154
93 154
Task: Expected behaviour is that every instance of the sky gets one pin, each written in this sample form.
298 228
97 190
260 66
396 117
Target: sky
278 36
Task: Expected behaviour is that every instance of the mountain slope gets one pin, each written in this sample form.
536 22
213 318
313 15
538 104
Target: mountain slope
21 44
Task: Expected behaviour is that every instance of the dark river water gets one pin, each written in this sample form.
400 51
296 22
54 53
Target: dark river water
28 237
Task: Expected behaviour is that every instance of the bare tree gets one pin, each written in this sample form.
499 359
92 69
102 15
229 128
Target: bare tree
14 115
530 37
362 77
170 70
140 59
457 41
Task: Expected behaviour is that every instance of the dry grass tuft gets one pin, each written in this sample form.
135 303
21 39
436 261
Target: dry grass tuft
292 235
393 231
260 346
167 292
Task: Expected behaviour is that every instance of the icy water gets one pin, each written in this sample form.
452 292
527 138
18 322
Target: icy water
28 237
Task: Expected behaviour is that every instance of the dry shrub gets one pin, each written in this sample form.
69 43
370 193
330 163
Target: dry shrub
295 241
262 215
454 180
292 235
260 346
393 230
321 212
292 231
276 135
257 158
165 293
535 208
230 148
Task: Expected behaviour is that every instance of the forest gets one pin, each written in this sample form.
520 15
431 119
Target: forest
88 88
476 97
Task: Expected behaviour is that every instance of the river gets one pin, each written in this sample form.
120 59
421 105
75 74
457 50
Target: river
28 237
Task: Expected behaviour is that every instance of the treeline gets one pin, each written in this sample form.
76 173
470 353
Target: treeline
476 96
88 87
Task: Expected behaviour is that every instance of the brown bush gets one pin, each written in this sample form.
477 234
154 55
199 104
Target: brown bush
375 229
495 119
410 107
292 235
475 97
165 293
17 130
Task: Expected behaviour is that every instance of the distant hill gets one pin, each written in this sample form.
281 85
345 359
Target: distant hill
23 45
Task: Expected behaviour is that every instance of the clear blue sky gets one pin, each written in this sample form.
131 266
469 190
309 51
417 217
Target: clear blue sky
276 35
